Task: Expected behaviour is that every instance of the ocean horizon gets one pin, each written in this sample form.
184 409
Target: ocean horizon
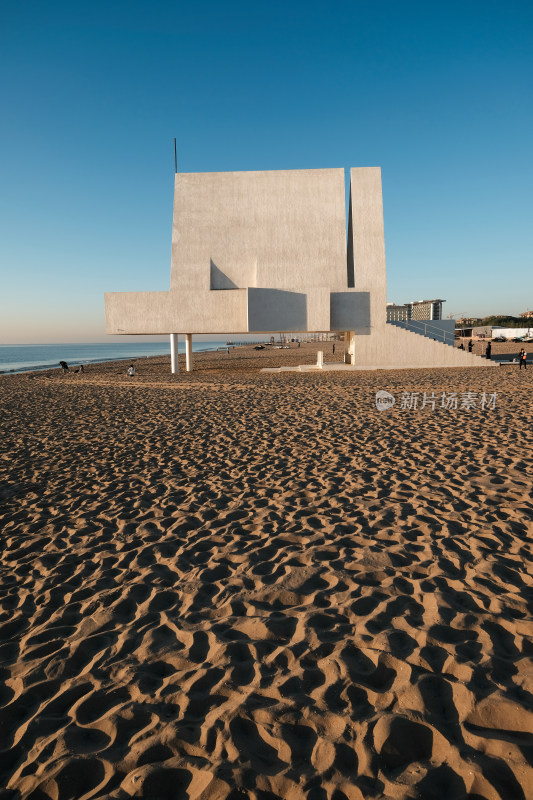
38 357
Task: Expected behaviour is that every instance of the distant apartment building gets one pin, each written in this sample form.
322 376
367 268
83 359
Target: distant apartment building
397 313
526 314
417 310
468 321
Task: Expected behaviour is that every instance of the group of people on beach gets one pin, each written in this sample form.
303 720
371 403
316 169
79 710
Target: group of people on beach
488 351
470 346
522 358
522 355
64 366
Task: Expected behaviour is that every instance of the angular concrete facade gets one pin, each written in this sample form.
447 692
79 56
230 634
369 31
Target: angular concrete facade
267 251
251 252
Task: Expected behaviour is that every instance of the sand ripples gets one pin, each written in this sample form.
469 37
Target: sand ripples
269 590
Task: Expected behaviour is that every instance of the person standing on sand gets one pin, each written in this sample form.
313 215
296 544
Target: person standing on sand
488 351
470 345
131 371
333 348
522 358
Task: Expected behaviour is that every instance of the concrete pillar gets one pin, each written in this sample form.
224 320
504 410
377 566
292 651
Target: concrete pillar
174 353
346 347
349 347
320 359
188 352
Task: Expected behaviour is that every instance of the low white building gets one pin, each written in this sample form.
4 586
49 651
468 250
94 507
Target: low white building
512 333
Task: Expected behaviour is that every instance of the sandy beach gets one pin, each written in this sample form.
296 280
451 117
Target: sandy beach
230 584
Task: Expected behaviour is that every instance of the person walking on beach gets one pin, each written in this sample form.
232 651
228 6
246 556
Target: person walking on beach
522 358
333 348
470 345
488 351
131 371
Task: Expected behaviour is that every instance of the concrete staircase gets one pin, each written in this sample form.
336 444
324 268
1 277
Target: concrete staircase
439 330
395 347
392 346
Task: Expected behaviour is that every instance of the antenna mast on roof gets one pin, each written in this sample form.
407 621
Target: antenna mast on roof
175 158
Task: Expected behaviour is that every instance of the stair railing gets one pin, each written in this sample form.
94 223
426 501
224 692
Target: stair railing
416 325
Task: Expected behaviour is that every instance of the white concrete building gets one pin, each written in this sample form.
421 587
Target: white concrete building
267 251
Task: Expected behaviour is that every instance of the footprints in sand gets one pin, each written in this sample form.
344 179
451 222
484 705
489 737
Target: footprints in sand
203 598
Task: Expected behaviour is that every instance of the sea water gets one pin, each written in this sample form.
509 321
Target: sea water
26 357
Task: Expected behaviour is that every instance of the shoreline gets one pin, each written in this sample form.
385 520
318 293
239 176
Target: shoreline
499 351
90 361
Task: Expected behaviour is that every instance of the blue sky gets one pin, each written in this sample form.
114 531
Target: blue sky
439 94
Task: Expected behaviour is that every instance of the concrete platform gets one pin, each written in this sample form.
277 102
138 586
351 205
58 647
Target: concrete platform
336 367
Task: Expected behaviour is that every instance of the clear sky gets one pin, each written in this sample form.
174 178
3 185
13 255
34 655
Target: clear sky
438 94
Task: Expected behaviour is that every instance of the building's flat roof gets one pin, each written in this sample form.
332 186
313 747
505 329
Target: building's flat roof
417 302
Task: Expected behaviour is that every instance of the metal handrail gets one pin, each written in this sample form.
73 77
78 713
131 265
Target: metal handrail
401 323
